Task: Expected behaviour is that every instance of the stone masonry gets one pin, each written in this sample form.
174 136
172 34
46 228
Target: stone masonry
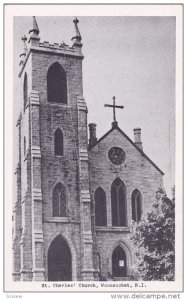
82 169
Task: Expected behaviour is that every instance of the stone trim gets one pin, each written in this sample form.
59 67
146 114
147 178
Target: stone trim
38 236
19 119
57 220
81 103
26 104
25 271
17 168
36 153
87 232
16 276
24 63
37 194
16 273
26 155
59 105
87 238
112 229
34 98
85 196
83 154
52 49
58 51
38 270
88 270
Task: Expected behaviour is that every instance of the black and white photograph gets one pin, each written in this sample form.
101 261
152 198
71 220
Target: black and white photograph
95 166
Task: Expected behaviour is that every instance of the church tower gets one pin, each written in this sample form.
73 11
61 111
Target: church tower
52 238
76 202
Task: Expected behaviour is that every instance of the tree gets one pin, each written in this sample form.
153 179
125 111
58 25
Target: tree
154 240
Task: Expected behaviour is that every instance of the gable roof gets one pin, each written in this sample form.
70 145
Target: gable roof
121 131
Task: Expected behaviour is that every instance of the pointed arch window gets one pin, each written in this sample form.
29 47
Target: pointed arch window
59 200
136 202
59 142
56 84
25 91
100 207
118 203
119 262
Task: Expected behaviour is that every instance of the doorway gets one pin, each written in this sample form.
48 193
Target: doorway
59 260
119 262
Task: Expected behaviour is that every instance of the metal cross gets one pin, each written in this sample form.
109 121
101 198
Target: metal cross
114 106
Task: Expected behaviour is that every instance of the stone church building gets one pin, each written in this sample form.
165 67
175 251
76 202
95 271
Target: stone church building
77 196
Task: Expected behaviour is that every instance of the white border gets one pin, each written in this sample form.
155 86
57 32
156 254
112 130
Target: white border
91 10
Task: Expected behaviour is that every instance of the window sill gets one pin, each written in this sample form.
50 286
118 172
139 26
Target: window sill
59 104
112 229
57 220
62 220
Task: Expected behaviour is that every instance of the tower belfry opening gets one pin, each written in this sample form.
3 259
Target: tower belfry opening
56 84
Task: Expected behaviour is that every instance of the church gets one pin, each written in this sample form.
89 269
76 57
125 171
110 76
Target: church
77 195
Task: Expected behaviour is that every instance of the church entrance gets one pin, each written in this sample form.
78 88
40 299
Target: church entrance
59 260
119 263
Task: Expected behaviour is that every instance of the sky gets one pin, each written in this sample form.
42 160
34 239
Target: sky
131 58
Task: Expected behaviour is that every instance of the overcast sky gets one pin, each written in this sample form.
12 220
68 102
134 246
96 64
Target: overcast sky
132 58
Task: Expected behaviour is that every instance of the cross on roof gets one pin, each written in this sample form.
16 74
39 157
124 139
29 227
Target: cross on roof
114 106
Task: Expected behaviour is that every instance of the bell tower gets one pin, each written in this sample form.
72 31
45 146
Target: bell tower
53 197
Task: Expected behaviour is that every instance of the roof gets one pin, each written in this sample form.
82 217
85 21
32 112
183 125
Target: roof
138 149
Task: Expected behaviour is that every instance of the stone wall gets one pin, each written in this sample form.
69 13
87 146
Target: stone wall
136 173
41 171
63 169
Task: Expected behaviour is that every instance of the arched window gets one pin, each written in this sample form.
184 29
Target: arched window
136 202
100 207
59 144
118 203
25 91
59 200
119 262
56 84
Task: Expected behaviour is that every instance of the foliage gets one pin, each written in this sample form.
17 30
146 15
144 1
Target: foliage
154 240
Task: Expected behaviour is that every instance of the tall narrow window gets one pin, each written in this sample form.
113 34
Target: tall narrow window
56 84
100 207
136 201
25 91
59 143
59 200
118 203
